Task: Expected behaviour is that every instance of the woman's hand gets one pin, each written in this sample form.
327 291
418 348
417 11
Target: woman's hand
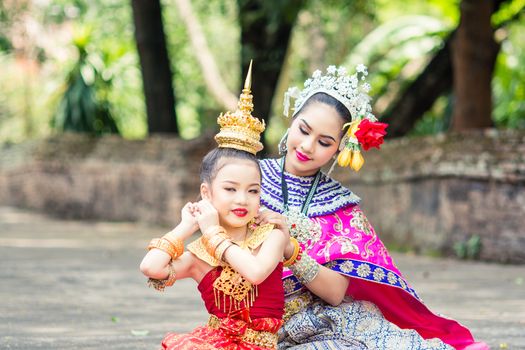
267 216
206 215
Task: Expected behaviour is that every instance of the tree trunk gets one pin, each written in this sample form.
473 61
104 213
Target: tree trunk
155 66
473 57
434 81
265 33
212 76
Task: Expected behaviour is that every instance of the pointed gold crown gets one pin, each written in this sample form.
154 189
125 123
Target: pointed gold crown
240 130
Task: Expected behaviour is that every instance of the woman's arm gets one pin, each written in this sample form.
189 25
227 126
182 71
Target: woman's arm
256 268
338 284
329 285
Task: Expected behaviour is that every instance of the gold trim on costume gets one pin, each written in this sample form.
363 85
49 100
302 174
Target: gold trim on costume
198 249
258 236
230 284
294 306
263 339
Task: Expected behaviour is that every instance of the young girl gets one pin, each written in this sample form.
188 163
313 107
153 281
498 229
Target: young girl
237 265
368 304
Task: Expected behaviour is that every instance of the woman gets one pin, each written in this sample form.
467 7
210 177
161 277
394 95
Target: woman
344 292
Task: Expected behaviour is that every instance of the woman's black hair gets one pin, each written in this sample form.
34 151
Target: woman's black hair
210 164
322 97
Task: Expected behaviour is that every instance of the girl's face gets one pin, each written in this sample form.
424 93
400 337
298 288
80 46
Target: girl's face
235 192
313 139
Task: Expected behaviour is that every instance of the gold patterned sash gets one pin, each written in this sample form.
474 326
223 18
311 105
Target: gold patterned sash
240 330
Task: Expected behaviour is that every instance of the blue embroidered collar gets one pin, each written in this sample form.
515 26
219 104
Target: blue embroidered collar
329 196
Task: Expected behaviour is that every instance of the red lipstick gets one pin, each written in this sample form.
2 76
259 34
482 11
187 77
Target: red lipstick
301 157
240 212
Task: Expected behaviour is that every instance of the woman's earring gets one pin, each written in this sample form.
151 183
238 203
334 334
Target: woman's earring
282 144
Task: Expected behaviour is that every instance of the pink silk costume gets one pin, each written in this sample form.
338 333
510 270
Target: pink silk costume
349 245
265 315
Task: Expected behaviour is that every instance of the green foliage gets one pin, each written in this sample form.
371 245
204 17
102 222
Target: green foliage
436 120
396 52
507 11
85 106
324 33
447 11
469 249
197 110
395 41
508 83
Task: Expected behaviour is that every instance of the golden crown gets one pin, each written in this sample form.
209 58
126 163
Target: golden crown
240 130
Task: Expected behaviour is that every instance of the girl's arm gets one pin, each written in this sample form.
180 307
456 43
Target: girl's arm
155 263
338 283
183 266
256 268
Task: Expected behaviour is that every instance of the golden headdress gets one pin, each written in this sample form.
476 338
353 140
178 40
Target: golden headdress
240 130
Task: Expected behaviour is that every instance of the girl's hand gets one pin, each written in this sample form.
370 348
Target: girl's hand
188 218
207 216
266 216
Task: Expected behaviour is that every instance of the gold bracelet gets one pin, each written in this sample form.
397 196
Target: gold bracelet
164 245
212 243
221 249
172 277
295 254
177 243
213 238
167 282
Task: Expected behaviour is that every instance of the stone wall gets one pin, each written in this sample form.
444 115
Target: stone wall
448 194
75 176
432 195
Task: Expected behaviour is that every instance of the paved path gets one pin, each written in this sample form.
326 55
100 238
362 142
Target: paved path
76 285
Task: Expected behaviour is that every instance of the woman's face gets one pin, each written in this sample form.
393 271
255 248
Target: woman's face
313 139
235 192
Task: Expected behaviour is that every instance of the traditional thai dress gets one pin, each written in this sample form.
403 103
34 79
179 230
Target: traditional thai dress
381 310
242 316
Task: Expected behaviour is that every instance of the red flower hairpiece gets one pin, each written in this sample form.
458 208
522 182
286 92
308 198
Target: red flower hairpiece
370 134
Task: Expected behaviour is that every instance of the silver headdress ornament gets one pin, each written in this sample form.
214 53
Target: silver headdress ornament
351 90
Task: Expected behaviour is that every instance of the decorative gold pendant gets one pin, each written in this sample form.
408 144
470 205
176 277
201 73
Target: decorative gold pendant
231 284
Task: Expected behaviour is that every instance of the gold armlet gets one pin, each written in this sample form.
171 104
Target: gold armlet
177 243
174 251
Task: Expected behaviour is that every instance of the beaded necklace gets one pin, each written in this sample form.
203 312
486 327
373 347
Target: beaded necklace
300 226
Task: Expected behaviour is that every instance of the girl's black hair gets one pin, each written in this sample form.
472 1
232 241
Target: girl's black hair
210 164
322 97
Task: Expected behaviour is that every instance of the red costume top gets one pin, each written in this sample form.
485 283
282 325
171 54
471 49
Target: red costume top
249 324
